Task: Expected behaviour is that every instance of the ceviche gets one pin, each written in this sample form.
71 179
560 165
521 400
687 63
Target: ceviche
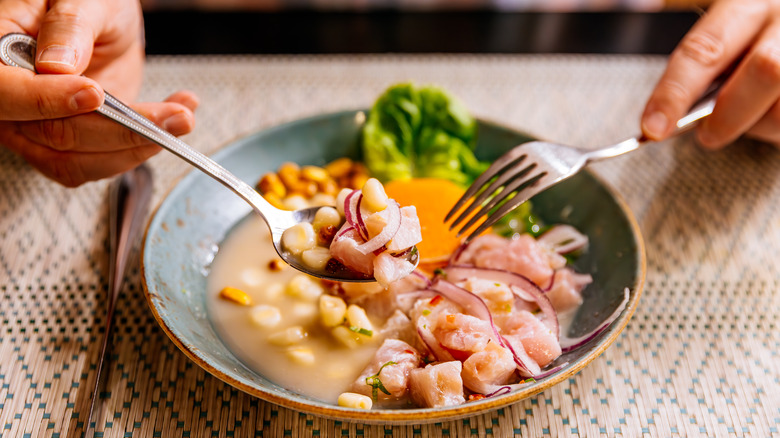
472 321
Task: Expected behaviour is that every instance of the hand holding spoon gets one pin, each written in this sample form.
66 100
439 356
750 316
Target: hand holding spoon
18 50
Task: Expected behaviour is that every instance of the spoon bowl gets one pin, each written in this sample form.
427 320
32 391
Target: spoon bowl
18 50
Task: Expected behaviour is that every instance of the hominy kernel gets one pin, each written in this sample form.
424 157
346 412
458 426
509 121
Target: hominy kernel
316 257
374 196
332 310
273 291
346 336
354 400
299 238
289 336
340 198
295 202
326 216
301 355
356 317
304 287
266 316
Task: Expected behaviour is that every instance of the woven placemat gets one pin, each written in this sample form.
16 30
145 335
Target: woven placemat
699 358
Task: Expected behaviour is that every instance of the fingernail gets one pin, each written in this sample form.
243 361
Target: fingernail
58 55
87 98
656 124
177 124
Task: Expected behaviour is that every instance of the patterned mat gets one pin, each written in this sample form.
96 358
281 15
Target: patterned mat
699 358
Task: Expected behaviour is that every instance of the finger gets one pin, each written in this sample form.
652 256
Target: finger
750 92
768 127
94 133
714 42
21 17
186 98
27 96
67 35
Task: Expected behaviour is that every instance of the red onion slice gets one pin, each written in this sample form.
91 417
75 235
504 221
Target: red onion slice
569 344
359 213
521 286
392 227
563 239
346 228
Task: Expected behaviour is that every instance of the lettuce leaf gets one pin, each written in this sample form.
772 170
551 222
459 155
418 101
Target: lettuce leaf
422 131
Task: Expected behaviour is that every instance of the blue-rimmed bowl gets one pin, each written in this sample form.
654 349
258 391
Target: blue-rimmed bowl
188 226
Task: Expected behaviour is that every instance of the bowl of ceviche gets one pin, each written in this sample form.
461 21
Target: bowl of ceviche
475 327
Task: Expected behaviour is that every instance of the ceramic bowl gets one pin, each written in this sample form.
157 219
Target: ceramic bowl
186 230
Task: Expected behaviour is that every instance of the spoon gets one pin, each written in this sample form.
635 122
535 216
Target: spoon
129 201
18 50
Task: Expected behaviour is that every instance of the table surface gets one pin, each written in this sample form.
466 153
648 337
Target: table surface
699 358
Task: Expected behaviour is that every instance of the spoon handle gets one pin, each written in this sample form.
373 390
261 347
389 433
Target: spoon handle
129 200
18 50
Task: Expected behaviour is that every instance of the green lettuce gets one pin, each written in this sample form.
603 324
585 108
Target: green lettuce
420 131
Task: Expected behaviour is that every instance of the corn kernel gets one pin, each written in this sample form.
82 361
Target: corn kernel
326 216
316 258
332 310
356 317
322 200
235 295
328 187
266 316
354 400
339 167
357 181
299 238
374 196
304 311
275 201
252 276
289 336
301 355
314 173
270 183
340 198
304 287
294 202
346 336
290 175
273 291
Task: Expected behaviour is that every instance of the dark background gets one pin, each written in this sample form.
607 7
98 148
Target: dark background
311 32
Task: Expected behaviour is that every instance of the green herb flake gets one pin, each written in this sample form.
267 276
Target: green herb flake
426 312
361 331
376 383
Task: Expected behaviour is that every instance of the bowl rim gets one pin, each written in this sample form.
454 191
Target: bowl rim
398 416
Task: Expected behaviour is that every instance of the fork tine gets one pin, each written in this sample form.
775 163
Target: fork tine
505 160
502 196
508 206
490 195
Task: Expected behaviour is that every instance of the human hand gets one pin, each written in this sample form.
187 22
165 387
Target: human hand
749 100
47 117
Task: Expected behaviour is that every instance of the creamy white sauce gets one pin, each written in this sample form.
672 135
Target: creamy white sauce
242 262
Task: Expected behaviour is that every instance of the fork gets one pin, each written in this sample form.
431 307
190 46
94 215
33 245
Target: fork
530 168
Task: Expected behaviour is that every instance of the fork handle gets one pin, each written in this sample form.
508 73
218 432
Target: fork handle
701 109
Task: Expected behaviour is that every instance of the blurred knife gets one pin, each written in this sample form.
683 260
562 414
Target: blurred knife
129 200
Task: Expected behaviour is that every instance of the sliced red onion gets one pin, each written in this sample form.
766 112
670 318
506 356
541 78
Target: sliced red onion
563 239
359 213
458 252
346 228
351 209
569 344
551 371
521 286
426 335
422 277
526 366
392 227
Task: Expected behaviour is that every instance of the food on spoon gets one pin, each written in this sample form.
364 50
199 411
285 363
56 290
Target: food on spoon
373 237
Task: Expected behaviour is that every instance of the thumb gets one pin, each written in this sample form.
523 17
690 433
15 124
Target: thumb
67 35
